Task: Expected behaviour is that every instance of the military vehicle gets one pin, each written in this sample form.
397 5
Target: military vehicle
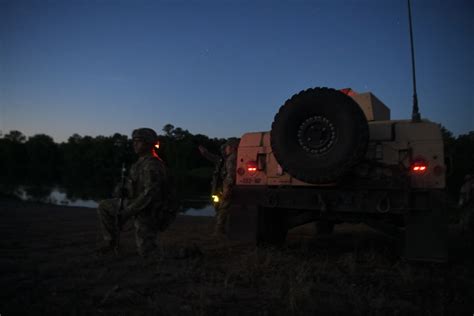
335 156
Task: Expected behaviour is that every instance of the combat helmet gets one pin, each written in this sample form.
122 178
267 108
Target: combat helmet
147 134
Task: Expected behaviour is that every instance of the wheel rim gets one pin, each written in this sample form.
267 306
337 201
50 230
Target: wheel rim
316 135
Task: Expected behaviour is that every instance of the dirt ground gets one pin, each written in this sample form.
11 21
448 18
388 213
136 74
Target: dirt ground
49 266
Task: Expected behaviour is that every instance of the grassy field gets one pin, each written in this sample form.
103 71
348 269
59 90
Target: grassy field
49 266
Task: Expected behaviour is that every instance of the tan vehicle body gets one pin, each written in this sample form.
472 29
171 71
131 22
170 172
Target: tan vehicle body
411 141
385 188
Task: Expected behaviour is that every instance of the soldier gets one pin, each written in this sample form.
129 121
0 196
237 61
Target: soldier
144 197
223 181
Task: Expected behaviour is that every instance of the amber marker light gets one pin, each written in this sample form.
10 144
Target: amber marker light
215 198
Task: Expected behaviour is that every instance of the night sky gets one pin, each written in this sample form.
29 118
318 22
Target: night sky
222 68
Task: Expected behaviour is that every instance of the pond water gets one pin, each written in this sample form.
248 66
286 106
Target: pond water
192 205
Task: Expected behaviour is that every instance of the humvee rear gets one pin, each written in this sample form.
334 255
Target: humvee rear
335 156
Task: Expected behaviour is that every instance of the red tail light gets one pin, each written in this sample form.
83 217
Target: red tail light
419 166
252 166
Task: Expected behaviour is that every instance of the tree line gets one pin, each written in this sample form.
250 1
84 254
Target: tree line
91 165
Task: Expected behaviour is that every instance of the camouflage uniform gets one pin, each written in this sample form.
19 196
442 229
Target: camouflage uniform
228 178
144 188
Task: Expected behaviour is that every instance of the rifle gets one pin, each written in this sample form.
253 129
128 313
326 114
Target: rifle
118 224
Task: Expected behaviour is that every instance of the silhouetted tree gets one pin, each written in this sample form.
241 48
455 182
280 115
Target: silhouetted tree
13 159
168 129
43 159
15 136
179 133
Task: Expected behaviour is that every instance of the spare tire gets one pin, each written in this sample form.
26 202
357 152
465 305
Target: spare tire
318 135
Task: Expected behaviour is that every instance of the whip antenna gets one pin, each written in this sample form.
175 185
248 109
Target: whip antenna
415 114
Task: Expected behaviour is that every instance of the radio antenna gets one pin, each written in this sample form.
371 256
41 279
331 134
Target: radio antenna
415 114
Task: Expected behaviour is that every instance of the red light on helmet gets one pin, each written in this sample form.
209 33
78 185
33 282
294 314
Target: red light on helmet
252 166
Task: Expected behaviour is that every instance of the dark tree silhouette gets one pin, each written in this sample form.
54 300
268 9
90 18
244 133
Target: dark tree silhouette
43 159
168 129
15 136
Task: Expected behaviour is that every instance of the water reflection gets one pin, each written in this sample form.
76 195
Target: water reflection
193 205
208 210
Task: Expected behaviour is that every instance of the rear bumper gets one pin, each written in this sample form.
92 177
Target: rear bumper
328 200
421 212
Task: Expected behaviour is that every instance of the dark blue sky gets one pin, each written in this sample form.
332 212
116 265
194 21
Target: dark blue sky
222 68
